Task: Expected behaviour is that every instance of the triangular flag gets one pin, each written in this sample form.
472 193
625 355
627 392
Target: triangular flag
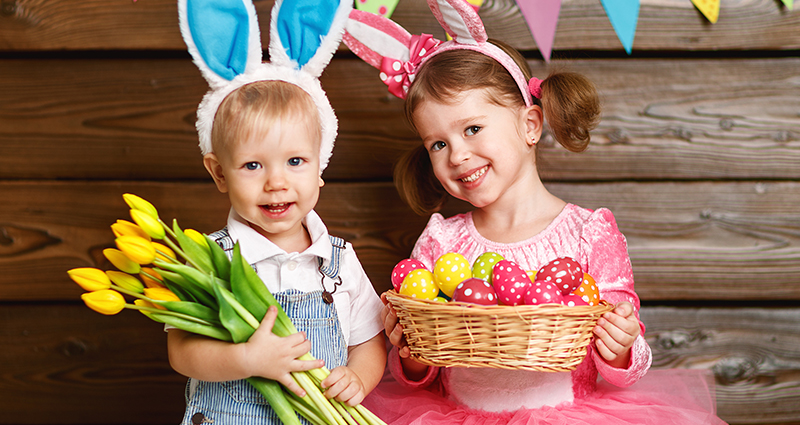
709 8
383 8
542 17
623 15
789 3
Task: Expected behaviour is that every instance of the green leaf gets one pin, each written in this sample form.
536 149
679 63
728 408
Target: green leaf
193 327
243 290
190 273
192 309
198 293
196 253
230 318
220 260
272 391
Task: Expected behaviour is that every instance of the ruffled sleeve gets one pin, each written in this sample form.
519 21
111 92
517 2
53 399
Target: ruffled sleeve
606 257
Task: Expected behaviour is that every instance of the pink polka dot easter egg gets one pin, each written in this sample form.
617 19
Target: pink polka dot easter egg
402 269
542 292
588 290
475 291
510 282
572 300
483 265
450 270
419 284
564 272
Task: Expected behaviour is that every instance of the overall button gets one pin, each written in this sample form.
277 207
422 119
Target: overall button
198 418
292 265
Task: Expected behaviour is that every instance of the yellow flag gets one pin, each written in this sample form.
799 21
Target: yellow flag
709 8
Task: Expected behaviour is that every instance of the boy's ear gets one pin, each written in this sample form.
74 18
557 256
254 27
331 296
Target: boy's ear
534 120
214 168
321 182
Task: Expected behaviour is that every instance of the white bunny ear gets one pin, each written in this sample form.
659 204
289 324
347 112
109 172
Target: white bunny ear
222 37
460 20
372 38
304 34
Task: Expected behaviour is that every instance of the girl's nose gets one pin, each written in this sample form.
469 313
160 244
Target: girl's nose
459 153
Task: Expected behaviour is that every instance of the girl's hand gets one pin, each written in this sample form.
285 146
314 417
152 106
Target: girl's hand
270 356
394 331
345 386
615 333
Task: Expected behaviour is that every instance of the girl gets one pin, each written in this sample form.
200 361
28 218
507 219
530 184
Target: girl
480 115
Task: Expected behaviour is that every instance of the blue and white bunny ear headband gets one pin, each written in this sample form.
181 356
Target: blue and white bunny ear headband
224 41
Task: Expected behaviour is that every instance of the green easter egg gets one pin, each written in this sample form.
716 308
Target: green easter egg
483 265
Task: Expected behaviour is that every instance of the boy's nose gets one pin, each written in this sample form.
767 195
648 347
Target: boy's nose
276 180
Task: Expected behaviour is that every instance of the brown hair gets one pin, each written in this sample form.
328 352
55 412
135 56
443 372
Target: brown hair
569 101
256 106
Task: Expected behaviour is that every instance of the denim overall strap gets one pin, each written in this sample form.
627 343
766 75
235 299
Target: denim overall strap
237 402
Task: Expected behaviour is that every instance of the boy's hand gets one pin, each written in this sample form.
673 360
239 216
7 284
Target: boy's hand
270 356
345 386
394 331
615 333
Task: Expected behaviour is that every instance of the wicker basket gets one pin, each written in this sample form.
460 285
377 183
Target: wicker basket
546 338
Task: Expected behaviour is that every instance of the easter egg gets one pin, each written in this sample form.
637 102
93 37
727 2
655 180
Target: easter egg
475 291
564 272
440 299
402 269
510 282
572 300
531 274
483 265
419 284
542 292
588 290
450 270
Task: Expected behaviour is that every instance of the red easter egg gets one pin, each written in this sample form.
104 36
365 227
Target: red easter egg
572 300
475 291
564 272
402 269
510 282
542 292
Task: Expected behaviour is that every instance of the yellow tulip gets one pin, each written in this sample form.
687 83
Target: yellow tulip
151 278
126 228
137 249
163 253
140 204
90 279
150 225
104 301
197 237
121 261
160 294
125 281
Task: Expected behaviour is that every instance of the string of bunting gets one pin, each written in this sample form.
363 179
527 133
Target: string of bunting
542 17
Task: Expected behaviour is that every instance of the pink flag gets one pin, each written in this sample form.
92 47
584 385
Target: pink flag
542 17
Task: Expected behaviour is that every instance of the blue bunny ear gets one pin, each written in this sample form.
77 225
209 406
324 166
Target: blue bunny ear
222 36
304 34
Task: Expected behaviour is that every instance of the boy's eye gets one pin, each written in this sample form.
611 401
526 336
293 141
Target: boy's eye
472 130
436 146
252 166
295 161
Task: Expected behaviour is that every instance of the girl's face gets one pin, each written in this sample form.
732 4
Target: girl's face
480 152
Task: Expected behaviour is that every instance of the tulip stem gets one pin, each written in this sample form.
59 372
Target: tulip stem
168 313
179 251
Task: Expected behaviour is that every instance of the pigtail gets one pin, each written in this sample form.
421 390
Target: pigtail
571 107
416 184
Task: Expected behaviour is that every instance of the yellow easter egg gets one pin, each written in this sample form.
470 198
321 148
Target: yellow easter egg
588 290
450 270
419 284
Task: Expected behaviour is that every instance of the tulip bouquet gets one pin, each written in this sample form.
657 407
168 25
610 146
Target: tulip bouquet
189 282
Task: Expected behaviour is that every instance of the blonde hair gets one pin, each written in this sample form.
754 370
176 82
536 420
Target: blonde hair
256 106
569 101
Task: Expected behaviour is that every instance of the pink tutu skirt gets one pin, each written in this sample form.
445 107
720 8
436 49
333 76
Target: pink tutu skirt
662 397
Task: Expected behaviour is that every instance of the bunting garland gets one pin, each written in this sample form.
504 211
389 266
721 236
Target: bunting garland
623 14
709 9
383 8
541 17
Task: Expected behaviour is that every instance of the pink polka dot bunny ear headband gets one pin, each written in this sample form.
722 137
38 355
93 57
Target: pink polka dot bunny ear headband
397 54
225 43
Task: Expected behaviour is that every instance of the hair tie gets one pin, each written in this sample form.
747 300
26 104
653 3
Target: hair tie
535 87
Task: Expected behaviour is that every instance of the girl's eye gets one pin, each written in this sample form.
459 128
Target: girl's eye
471 131
294 162
436 146
252 166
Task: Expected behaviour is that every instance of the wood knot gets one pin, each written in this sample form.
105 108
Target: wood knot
8 8
735 369
74 347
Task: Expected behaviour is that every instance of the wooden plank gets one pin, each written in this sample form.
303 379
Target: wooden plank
753 353
687 241
32 25
91 368
134 119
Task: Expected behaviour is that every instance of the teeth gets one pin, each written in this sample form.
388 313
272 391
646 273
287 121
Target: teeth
475 175
277 206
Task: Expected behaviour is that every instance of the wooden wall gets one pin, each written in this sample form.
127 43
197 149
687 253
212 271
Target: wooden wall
698 156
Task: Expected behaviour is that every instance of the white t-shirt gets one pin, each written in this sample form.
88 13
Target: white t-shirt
357 304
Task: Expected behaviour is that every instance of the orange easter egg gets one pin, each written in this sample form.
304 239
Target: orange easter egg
588 290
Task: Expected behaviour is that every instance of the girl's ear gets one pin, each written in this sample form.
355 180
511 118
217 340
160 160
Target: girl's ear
534 123
214 168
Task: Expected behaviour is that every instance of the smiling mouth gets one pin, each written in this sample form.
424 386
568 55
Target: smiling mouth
276 208
476 175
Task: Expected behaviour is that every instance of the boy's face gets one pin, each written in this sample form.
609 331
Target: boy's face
272 178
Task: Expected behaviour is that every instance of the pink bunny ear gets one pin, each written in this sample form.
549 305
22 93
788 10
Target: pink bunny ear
460 20
372 38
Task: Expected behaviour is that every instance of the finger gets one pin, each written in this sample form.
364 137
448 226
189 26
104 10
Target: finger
384 299
621 328
350 394
292 385
607 339
404 352
397 338
269 319
603 350
624 309
335 375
